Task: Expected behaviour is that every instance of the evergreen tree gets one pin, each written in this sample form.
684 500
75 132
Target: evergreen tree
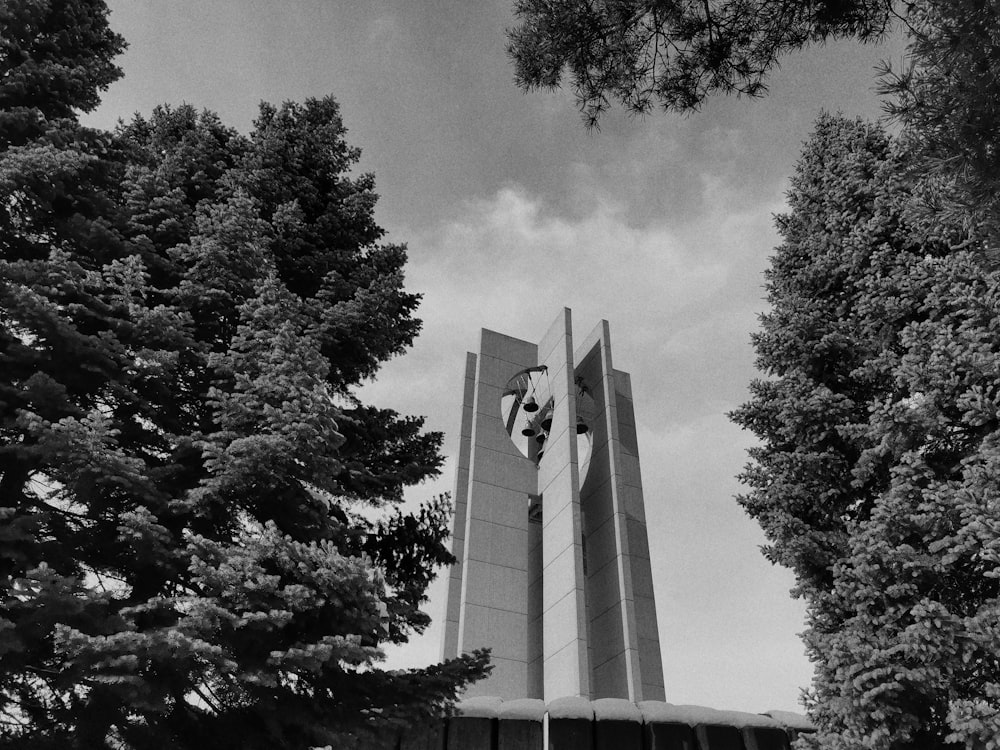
674 53
56 56
876 479
201 536
947 98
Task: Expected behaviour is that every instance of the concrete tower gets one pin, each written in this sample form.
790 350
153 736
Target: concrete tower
553 566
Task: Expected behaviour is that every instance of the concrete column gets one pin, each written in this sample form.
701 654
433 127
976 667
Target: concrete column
566 664
624 645
645 639
494 598
460 496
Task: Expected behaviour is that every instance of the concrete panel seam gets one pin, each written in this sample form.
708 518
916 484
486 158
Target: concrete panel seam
571 592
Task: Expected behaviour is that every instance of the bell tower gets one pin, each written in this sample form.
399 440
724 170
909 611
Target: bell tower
553 570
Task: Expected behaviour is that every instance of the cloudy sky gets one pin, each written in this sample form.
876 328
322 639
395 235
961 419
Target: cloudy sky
512 210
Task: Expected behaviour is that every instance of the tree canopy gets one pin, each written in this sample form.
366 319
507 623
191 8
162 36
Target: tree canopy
876 478
674 53
56 56
203 542
947 99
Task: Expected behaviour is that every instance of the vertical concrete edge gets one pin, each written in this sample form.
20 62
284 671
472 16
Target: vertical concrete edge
449 644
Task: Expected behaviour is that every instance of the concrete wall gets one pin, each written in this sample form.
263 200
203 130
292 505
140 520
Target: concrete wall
566 667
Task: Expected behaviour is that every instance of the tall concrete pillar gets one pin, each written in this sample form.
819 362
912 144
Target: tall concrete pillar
553 566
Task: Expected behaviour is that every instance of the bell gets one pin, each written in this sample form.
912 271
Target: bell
547 421
581 427
539 456
540 437
528 430
530 405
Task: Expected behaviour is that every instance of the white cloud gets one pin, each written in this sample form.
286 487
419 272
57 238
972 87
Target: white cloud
508 256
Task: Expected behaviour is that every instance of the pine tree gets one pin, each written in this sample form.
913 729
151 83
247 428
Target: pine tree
947 100
202 535
675 54
56 56
876 478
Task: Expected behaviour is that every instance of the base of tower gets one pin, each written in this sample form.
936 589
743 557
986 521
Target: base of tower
574 723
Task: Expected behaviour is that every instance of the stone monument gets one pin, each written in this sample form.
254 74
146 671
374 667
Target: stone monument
553 569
